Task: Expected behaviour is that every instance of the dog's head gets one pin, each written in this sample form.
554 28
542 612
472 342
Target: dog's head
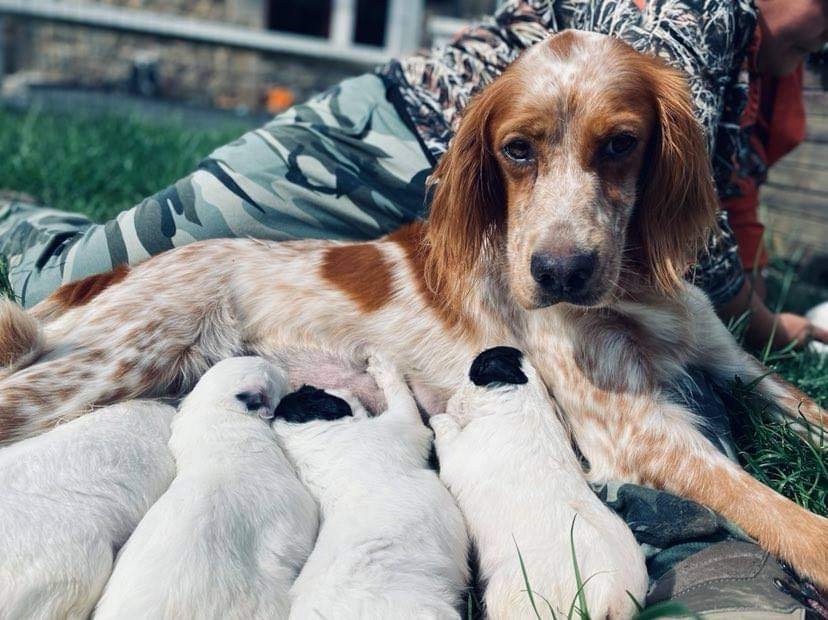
582 160
309 403
245 385
498 366
500 381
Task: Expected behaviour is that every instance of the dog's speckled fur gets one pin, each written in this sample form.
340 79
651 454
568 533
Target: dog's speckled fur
441 292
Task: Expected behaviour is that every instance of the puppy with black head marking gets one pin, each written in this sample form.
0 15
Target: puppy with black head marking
392 542
310 403
231 534
507 459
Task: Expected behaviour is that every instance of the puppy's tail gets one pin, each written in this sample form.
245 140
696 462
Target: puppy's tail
21 337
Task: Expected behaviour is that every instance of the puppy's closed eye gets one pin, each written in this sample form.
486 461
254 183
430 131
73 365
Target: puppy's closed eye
253 400
498 366
310 403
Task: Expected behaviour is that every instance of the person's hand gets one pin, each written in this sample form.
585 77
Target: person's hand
785 327
792 327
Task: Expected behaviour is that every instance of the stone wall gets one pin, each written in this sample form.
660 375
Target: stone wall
197 73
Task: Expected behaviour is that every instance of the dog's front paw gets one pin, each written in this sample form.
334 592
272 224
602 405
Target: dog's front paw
807 548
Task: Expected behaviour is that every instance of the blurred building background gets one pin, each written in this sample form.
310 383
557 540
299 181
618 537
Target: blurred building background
248 54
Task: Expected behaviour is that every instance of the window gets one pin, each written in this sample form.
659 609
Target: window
370 22
308 17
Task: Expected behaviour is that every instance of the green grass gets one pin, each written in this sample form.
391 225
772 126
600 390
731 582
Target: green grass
770 448
772 452
100 166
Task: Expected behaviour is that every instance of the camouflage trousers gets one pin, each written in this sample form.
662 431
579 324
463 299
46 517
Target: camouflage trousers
344 165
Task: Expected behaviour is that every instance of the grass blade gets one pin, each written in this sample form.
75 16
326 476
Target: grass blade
665 609
583 611
526 580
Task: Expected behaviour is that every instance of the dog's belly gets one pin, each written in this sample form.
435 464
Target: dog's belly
324 335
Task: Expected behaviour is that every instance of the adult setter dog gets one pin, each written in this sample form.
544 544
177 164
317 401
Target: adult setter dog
573 196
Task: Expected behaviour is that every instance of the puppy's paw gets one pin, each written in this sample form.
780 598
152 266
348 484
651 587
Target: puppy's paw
385 373
457 409
445 429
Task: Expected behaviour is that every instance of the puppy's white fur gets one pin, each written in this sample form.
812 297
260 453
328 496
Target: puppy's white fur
70 498
819 317
231 534
506 458
392 543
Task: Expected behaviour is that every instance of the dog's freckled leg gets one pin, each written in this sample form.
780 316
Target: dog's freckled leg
671 455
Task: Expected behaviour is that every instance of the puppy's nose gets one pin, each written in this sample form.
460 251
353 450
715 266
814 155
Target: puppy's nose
562 278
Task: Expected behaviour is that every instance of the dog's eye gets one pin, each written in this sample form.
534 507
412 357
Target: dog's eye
519 150
619 145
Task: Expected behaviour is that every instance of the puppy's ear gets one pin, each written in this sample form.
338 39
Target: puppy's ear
678 202
467 209
310 403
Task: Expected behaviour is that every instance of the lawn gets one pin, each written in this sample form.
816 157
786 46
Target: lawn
99 166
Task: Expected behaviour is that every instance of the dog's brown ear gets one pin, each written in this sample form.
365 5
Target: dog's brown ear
468 204
678 201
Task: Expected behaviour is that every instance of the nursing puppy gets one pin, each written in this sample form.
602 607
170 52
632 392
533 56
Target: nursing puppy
507 460
392 543
232 532
70 498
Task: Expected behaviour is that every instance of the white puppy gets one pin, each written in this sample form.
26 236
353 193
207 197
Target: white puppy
70 498
506 458
392 543
232 532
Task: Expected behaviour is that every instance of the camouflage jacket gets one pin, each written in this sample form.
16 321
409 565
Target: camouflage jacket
708 39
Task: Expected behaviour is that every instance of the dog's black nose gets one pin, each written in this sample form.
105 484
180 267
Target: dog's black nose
253 400
310 403
563 278
498 365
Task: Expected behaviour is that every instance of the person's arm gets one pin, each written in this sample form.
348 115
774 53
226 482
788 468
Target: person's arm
734 293
784 327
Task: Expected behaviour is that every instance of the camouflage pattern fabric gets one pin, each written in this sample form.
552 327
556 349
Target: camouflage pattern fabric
343 165
735 580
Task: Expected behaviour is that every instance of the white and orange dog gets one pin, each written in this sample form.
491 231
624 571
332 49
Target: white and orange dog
234 529
392 542
574 194
506 458
69 500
